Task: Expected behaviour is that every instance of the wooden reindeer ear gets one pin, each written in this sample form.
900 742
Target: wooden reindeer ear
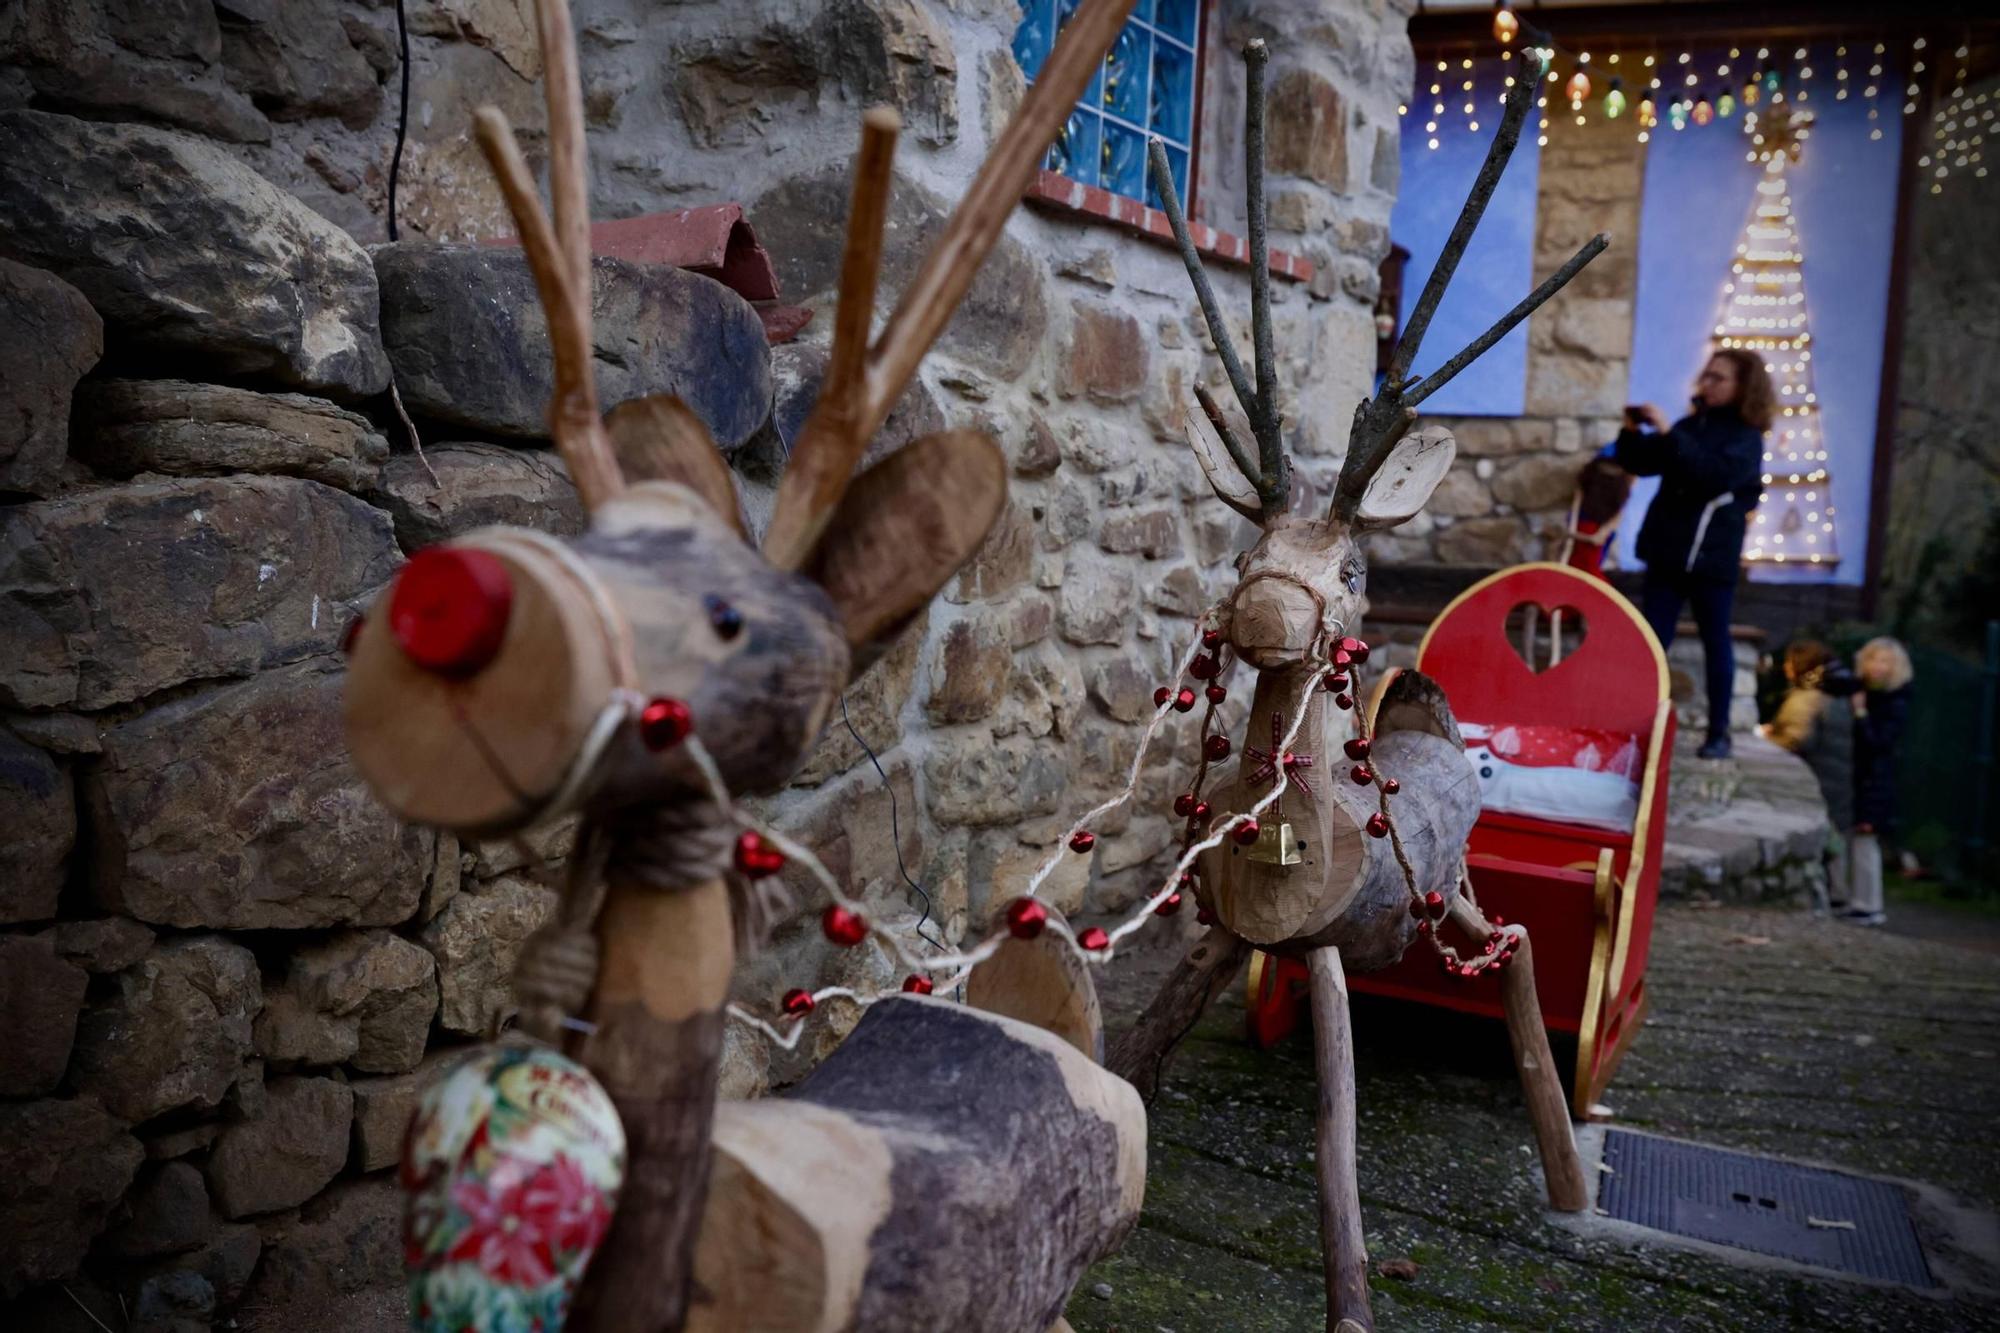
904 527
1224 477
659 438
1406 479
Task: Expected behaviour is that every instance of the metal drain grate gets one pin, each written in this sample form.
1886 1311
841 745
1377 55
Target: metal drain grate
1825 1218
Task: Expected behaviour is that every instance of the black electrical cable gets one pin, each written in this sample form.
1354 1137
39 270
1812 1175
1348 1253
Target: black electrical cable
895 830
402 115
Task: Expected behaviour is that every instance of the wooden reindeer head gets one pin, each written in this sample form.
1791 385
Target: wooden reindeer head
1312 877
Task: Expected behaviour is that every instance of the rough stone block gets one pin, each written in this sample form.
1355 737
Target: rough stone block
1538 481
970 671
1306 132
1106 357
105 944
874 708
1003 562
49 337
1096 603
38 810
1482 541
347 1240
286 1155
477 940
296 60
173 1032
63 1166
386 983
469 340
1461 494
852 828
40 994
209 578
265 824
185 429
1009 780
292 1031
1154 533
382 1111
188 253
477 485
166 1214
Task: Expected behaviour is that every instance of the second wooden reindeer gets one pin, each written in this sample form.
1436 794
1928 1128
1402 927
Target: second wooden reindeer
1361 854
949 1166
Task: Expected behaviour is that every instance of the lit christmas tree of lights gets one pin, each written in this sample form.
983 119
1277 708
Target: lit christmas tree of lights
1764 310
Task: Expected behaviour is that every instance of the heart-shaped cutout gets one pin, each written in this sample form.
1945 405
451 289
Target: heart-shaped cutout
511 1168
1542 637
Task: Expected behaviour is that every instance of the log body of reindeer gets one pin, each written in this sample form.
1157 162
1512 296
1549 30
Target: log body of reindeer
648 671
1318 880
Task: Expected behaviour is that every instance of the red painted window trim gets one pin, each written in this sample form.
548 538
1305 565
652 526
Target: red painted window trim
1058 191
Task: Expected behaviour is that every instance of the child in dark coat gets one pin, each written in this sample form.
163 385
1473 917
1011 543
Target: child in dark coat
1819 728
1879 690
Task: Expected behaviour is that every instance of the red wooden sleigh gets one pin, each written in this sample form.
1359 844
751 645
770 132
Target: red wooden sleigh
1586 894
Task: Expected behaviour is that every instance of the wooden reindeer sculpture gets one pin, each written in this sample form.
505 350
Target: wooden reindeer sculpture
946 1167
1345 866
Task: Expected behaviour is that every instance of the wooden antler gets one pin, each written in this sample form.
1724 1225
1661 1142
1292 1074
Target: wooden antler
559 255
1381 422
827 449
1270 471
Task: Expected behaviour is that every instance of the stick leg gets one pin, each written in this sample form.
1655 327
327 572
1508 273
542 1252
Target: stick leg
1548 1109
1339 1192
1140 1053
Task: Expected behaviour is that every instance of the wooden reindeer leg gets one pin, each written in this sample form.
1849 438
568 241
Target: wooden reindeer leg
1140 1054
667 956
585 449
833 439
1548 1109
1345 1252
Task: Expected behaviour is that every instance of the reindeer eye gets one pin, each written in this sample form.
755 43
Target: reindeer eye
726 620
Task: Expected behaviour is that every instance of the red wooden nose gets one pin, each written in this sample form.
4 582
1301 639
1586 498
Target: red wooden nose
449 609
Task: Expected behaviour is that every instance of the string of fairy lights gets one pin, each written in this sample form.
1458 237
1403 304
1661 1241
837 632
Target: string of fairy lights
1740 86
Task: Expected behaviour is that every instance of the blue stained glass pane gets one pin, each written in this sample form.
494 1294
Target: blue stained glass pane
1177 161
1034 37
1125 70
1176 18
1124 161
1173 92
1075 150
1143 11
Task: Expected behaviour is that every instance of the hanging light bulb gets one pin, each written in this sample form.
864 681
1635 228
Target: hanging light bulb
1677 113
1649 115
1753 89
1578 87
1725 104
1614 100
1703 112
1505 25
1773 79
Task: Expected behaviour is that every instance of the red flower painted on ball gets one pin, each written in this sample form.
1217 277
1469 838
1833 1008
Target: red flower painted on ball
843 927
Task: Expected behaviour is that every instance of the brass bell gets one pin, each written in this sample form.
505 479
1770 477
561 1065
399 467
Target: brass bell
1275 846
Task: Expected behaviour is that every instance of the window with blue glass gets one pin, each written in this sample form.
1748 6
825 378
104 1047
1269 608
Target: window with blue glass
1145 88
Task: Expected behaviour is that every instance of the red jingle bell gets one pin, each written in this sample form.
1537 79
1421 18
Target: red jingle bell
1211 639
1169 904
1184 701
1185 803
1434 903
1355 649
1391 786
1162 696
1082 840
1378 825
1094 939
916 985
1203 917
843 927
1216 694
1499 963
1216 747
1342 658
1201 810
1362 775
1343 701
1417 908
797 1003
1423 927
664 723
1357 748
1334 680
1026 918
1496 920
1205 667
1246 832
756 858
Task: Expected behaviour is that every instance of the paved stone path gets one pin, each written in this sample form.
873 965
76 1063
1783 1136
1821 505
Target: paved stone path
1771 1032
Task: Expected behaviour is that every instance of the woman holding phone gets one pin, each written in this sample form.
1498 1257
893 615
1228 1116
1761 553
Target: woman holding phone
1710 465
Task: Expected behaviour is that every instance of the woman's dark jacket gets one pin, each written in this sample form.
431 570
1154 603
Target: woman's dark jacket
1877 729
1710 467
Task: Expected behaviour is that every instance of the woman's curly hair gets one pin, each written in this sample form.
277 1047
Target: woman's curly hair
1756 400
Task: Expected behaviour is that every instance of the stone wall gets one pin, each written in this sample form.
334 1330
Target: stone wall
231 967
1507 498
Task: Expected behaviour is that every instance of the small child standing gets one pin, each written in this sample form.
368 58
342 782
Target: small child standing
1818 728
1879 691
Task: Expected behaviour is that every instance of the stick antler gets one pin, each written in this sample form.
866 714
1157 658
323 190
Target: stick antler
862 382
1380 422
1269 471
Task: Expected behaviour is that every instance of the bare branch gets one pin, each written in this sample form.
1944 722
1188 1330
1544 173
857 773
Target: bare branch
1274 469
1163 182
1438 378
1519 99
